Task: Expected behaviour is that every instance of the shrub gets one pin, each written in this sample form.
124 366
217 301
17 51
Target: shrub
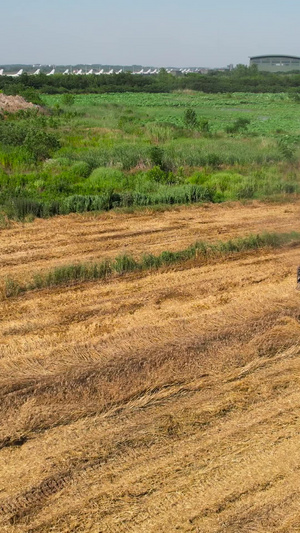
23 206
12 133
41 144
157 174
190 118
78 203
214 160
105 178
61 183
127 155
198 178
203 125
68 99
240 124
33 96
287 147
156 156
80 169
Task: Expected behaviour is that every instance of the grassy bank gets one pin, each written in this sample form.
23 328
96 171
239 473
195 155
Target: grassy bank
123 150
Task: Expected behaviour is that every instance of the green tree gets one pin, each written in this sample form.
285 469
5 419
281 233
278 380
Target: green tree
68 99
156 156
40 144
190 118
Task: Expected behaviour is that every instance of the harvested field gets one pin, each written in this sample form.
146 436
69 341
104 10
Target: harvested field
47 243
165 401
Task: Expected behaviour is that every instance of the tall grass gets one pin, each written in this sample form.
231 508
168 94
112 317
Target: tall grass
31 194
21 207
123 264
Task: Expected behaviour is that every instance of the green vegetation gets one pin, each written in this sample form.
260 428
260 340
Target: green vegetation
125 263
99 152
240 79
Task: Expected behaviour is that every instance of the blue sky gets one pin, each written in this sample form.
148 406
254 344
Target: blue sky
153 32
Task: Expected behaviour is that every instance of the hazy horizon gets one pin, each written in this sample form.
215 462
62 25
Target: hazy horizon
163 33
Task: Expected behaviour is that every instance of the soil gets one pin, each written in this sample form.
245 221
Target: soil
12 104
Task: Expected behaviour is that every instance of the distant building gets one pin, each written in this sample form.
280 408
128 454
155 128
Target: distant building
274 63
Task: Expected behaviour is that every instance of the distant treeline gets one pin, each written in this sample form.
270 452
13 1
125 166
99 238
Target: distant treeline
241 79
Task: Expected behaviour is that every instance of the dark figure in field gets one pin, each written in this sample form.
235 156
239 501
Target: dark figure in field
298 279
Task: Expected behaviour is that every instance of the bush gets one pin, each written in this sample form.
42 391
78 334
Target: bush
156 156
104 179
240 124
190 118
12 134
214 160
68 99
80 169
203 125
33 96
41 144
78 203
287 147
157 174
23 207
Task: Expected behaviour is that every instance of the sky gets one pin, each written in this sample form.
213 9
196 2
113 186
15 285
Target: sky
182 33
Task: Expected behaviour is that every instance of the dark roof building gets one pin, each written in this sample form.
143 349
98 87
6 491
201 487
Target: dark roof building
273 63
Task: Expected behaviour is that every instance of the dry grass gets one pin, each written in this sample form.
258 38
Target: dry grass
44 244
167 402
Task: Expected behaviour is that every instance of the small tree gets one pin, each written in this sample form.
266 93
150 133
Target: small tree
68 99
156 156
41 144
190 118
204 125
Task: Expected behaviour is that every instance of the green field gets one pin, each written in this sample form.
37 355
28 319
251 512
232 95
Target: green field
268 112
136 149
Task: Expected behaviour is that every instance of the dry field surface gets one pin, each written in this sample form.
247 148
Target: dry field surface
154 402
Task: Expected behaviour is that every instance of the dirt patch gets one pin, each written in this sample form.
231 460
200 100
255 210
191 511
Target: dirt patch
11 104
